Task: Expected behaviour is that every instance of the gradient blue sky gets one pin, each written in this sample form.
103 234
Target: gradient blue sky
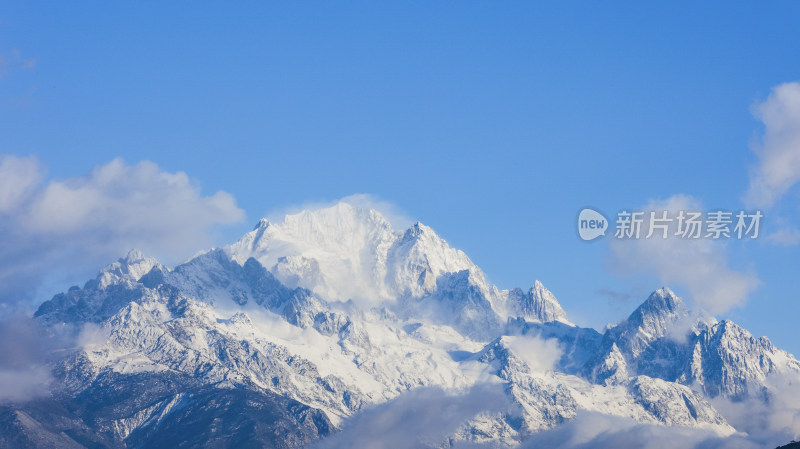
492 122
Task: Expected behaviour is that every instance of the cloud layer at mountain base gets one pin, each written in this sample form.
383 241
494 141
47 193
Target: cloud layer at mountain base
26 348
765 421
595 430
420 418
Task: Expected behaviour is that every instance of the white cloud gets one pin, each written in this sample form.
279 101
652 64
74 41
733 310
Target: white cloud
398 219
19 385
390 211
785 237
778 167
84 222
538 353
776 419
700 265
28 350
24 351
594 430
136 203
19 176
424 417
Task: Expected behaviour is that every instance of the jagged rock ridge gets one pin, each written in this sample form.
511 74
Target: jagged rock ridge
333 310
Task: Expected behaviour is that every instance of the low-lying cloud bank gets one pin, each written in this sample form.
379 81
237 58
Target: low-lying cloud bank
27 352
768 420
595 430
428 417
423 417
761 425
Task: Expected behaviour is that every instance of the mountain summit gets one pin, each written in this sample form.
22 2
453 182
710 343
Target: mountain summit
347 252
332 314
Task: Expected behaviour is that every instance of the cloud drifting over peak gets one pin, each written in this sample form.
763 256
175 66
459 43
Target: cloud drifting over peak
86 221
700 265
392 213
778 167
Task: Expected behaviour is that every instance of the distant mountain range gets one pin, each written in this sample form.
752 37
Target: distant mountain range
281 338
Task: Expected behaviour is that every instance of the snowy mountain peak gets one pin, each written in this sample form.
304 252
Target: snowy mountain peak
134 255
346 252
262 224
545 304
262 315
421 257
657 317
339 252
418 233
662 304
133 266
538 304
416 230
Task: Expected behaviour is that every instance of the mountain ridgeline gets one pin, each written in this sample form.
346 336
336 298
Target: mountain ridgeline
279 339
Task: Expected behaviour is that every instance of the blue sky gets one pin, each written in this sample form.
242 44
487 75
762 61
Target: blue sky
493 123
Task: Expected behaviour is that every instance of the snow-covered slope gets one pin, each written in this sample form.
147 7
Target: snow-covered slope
335 310
346 252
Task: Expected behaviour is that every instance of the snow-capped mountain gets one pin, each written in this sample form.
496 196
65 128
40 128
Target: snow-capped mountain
306 323
659 339
346 252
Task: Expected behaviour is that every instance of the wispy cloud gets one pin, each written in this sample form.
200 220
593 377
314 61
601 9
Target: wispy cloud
25 348
778 166
766 421
65 225
614 295
19 177
13 60
424 417
785 237
700 265
391 212
538 353
591 430
28 349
